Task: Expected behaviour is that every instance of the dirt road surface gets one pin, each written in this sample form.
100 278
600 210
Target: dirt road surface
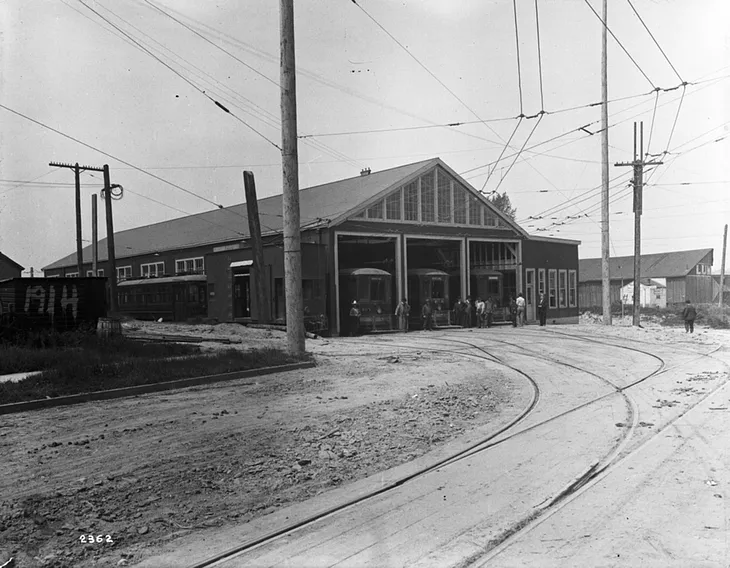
179 477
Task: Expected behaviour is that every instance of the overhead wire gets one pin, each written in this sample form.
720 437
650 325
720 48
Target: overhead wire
608 29
517 44
539 56
655 41
176 72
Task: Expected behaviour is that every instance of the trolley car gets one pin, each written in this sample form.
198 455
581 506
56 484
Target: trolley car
373 290
172 298
429 284
486 283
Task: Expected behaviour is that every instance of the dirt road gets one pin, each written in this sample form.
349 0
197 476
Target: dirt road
177 477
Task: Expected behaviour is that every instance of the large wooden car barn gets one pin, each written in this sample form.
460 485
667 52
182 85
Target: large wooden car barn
417 231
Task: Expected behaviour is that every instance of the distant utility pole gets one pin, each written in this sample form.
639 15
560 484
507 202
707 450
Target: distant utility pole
638 165
722 269
254 229
94 237
289 155
605 239
108 196
77 174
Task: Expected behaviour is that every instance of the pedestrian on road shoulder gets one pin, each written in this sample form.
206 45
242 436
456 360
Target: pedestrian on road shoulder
689 315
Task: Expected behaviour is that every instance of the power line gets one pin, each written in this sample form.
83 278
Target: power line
520 152
655 41
539 56
620 44
517 43
188 81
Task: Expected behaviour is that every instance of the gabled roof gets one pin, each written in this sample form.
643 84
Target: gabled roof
322 205
661 265
11 261
317 205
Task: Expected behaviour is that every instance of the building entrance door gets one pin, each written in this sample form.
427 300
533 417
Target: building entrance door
242 295
530 293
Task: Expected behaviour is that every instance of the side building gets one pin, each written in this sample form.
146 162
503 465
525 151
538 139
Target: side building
418 231
9 268
677 275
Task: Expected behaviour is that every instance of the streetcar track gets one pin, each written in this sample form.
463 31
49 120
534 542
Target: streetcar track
596 471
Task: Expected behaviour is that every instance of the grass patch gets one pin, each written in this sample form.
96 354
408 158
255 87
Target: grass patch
105 365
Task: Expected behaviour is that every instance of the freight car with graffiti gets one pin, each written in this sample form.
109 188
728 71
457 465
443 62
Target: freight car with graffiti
59 304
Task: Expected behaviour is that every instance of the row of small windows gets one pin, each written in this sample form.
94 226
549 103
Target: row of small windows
154 269
433 198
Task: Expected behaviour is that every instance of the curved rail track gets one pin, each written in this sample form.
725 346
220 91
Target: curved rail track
597 469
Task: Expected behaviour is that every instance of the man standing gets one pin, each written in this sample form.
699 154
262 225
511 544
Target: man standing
427 315
520 308
480 312
542 309
689 314
489 311
513 310
402 312
354 319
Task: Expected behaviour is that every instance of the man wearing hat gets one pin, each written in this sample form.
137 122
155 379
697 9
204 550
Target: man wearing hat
355 319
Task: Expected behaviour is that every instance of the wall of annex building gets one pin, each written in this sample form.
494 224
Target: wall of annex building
555 268
8 270
221 288
164 262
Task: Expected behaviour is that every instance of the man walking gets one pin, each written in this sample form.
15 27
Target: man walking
489 311
689 314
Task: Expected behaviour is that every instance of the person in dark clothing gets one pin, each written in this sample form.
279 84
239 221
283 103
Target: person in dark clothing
513 310
459 312
427 315
489 311
469 313
689 314
355 319
542 309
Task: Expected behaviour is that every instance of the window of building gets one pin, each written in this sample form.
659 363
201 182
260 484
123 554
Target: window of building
376 211
377 289
541 281
392 206
89 273
572 285
552 288
563 288
427 199
410 201
490 219
100 272
124 272
444 198
152 269
460 197
359 215
475 211
72 275
190 266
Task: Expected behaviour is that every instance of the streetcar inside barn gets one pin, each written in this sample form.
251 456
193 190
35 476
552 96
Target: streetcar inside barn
373 290
429 284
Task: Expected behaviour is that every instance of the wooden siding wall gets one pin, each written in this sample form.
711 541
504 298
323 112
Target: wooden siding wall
590 294
699 288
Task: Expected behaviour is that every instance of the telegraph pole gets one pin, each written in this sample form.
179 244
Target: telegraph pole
107 195
94 237
254 229
638 165
77 174
290 167
605 239
722 269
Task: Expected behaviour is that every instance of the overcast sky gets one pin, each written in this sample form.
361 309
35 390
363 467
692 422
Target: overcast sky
67 67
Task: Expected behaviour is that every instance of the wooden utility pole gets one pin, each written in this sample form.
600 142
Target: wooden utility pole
638 165
94 237
290 167
254 229
112 264
605 238
77 175
722 266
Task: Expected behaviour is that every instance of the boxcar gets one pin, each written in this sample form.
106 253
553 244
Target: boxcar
61 304
373 290
429 284
172 298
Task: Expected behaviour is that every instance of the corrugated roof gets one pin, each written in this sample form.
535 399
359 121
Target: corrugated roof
661 265
317 204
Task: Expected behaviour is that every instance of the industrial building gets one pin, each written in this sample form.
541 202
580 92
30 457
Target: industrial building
9 268
418 231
